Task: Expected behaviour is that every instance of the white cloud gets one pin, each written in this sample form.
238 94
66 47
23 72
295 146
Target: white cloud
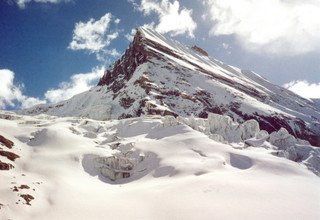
225 46
95 37
106 56
113 52
130 35
22 3
172 19
304 88
11 95
78 83
92 35
273 26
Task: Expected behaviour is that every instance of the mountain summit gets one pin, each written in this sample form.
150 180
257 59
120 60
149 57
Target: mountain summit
159 76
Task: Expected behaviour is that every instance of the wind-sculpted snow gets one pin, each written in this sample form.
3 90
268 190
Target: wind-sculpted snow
223 129
159 76
153 167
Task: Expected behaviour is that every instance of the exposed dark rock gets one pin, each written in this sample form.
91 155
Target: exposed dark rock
126 102
11 156
123 69
200 50
28 198
24 186
5 166
6 142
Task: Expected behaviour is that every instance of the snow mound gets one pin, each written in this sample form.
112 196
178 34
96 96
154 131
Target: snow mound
159 163
222 129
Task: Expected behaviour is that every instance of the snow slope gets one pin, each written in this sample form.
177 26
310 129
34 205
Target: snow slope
316 103
179 173
157 75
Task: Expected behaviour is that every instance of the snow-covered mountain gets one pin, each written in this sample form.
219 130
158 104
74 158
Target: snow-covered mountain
160 76
316 103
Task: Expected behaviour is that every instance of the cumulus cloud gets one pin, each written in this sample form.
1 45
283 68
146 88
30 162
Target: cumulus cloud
95 36
22 3
172 19
78 83
11 95
304 88
273 26
92 35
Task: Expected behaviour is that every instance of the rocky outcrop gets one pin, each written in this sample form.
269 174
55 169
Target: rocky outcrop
124 68
5 166
11 156
6 142
7 154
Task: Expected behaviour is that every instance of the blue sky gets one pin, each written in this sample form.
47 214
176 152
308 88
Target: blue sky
53 49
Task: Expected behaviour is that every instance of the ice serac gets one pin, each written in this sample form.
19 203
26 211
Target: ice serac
157 75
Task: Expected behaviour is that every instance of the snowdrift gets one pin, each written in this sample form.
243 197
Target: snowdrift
154 167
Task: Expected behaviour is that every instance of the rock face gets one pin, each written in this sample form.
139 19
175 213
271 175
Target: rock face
159 76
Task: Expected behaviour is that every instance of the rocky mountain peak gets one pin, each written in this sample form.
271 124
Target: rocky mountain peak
160 76
126 65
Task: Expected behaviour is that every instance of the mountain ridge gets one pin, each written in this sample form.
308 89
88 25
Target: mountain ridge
157 75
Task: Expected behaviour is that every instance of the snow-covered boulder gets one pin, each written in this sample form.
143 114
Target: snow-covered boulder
303 142
313 163
114 167
282 139
254 142
169 121
224 126
121 164
217 137
128 150
249 129
90 135
198 124
110 137
305 154
218 123
262 134
9 115
291 154
92 126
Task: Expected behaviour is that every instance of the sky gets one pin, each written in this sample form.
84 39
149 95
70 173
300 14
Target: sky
51 50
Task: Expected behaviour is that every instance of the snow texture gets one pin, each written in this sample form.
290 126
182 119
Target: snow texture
153 167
